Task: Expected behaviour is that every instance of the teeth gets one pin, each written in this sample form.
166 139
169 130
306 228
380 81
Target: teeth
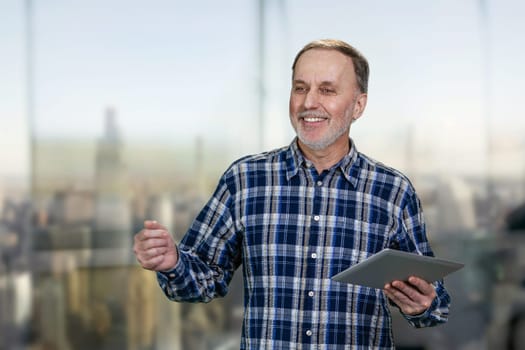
313 119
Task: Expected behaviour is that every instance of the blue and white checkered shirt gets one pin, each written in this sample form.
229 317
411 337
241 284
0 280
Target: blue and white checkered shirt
292 229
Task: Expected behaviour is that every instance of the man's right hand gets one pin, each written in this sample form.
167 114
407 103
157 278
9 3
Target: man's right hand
154 247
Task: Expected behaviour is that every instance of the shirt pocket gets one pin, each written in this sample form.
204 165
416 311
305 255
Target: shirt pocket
352 241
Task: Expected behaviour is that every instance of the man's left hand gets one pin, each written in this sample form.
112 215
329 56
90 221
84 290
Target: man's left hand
413 297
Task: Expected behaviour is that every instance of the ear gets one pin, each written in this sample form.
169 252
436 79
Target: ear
359 106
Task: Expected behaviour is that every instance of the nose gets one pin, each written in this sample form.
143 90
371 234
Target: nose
311 100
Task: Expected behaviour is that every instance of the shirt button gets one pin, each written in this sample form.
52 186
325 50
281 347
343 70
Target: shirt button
319 183
311 293
309 333
172 275
314 255
316 218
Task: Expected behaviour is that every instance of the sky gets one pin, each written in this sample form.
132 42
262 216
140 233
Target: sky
444 79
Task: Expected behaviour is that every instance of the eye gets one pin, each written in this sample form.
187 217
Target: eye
299 89
327 91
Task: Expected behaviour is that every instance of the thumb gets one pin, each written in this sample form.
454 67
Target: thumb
153 225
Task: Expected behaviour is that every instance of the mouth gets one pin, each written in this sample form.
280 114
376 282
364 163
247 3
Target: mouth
312 117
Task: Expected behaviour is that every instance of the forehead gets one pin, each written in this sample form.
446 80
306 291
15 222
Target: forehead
324 65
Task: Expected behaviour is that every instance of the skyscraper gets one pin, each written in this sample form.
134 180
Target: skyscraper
112 206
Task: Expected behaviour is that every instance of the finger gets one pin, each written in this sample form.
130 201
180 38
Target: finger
153 252
153 225
153 243
423 286
151 263
147 234
399 295
412 297
422 297
412 293
406 305
145 246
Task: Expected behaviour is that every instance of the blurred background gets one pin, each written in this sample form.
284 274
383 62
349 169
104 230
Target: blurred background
115 111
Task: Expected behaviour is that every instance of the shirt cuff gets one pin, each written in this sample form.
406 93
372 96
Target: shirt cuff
424 315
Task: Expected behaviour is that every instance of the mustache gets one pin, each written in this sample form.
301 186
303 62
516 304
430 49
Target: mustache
315 114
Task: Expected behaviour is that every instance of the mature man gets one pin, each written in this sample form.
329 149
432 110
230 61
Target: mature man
296 216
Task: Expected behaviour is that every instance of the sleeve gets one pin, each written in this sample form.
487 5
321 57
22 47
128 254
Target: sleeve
209 253
413 238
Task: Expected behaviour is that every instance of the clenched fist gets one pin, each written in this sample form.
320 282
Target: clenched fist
154 247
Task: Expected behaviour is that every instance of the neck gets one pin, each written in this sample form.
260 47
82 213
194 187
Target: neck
326 158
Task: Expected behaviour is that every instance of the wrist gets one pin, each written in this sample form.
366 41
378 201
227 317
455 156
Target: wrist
176 261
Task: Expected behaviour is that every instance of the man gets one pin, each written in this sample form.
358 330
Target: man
296 216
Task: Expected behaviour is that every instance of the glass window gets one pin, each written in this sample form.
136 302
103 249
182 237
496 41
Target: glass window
115 112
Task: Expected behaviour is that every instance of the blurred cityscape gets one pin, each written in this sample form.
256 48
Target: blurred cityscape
68 277
211 79
69 280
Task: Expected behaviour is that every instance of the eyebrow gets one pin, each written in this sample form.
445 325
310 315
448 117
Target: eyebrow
326 82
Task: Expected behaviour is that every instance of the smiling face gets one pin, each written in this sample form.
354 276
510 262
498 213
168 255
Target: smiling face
324 100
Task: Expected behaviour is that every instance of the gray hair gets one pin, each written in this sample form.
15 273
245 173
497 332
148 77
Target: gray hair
361 68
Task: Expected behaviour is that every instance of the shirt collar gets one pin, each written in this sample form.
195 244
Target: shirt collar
349 164
294 159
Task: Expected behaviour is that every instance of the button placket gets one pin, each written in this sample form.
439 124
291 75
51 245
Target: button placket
312 270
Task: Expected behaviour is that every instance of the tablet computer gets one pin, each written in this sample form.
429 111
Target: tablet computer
389 265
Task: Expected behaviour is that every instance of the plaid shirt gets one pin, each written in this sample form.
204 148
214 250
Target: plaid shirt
292 229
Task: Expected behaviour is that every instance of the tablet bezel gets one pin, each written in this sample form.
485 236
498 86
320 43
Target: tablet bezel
389 265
